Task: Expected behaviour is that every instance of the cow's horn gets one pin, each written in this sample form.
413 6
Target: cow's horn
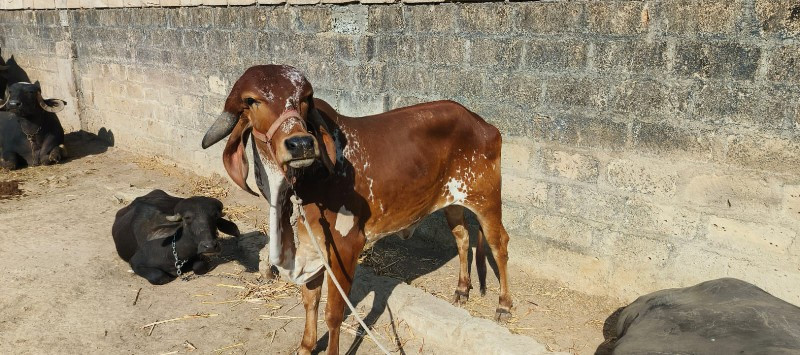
221 128
175 218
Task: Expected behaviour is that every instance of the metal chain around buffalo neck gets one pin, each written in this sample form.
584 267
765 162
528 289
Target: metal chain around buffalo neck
32 140
178 262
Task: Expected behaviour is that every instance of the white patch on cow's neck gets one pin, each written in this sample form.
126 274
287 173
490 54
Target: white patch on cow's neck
457 190
344 221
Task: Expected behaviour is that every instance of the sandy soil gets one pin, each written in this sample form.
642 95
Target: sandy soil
66 291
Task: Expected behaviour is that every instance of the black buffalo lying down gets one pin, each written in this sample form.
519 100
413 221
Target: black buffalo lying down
30 133
723 316
153 226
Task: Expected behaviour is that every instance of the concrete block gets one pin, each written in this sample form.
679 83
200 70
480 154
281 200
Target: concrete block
649 99
518 89
573 166
350 20
664 138
717 60
637 262
485 17
377 1
783 64
583 131
44 4
569 93
735 194
749 238
460 85
568 232
371 77
555 56
642 176
431 18
606 207
495 53
661 220
524 190
685 17
550 17
617 17
764 152
239 2
312 19
632 56
385 18
516 157
441 50
777 17
391 48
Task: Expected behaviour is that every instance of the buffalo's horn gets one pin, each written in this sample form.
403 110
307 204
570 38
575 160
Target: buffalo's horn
4 99
175 218
50 105
221 128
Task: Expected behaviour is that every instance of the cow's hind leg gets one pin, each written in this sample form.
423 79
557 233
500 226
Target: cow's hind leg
496 236
455 219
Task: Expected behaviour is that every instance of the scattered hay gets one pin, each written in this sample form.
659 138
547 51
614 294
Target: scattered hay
156 163
239 212
214 186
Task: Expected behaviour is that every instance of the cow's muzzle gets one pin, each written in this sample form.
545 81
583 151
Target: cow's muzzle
301 150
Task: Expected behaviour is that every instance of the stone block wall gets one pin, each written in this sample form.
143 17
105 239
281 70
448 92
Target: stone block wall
648 144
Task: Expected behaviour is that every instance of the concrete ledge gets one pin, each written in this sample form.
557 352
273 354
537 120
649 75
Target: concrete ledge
443 325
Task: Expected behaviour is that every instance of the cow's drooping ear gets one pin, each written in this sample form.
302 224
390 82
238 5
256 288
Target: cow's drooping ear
234 157
227 227
165 230
324 139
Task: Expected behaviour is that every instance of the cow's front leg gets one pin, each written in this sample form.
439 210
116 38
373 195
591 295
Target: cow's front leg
334 310
311 293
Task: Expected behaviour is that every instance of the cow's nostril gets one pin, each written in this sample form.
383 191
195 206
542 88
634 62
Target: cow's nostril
13 104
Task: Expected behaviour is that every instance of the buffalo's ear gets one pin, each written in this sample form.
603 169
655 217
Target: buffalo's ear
165 230
227 227
234 157
324 139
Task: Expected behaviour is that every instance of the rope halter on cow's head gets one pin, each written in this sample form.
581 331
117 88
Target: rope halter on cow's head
274 104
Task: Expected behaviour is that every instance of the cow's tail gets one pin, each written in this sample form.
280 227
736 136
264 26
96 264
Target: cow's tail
480 260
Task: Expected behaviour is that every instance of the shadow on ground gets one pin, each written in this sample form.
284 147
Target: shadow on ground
609 333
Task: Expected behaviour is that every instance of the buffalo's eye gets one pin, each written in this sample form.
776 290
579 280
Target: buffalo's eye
249 101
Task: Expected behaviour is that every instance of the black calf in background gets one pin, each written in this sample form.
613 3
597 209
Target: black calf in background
148 230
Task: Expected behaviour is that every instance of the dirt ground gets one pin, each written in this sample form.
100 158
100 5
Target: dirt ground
66 291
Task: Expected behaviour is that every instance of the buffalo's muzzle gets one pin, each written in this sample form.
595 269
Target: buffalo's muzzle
211 247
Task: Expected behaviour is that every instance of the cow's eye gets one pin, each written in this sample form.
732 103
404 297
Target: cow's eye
249 101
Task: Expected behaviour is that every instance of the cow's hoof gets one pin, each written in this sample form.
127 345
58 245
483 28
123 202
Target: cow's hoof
502 315
460 297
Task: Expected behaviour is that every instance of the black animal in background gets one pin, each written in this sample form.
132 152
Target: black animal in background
30 133
154 226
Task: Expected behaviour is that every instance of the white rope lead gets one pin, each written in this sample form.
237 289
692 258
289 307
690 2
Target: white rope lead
298 203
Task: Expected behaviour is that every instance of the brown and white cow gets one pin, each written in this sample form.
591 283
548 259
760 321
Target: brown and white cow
360 179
